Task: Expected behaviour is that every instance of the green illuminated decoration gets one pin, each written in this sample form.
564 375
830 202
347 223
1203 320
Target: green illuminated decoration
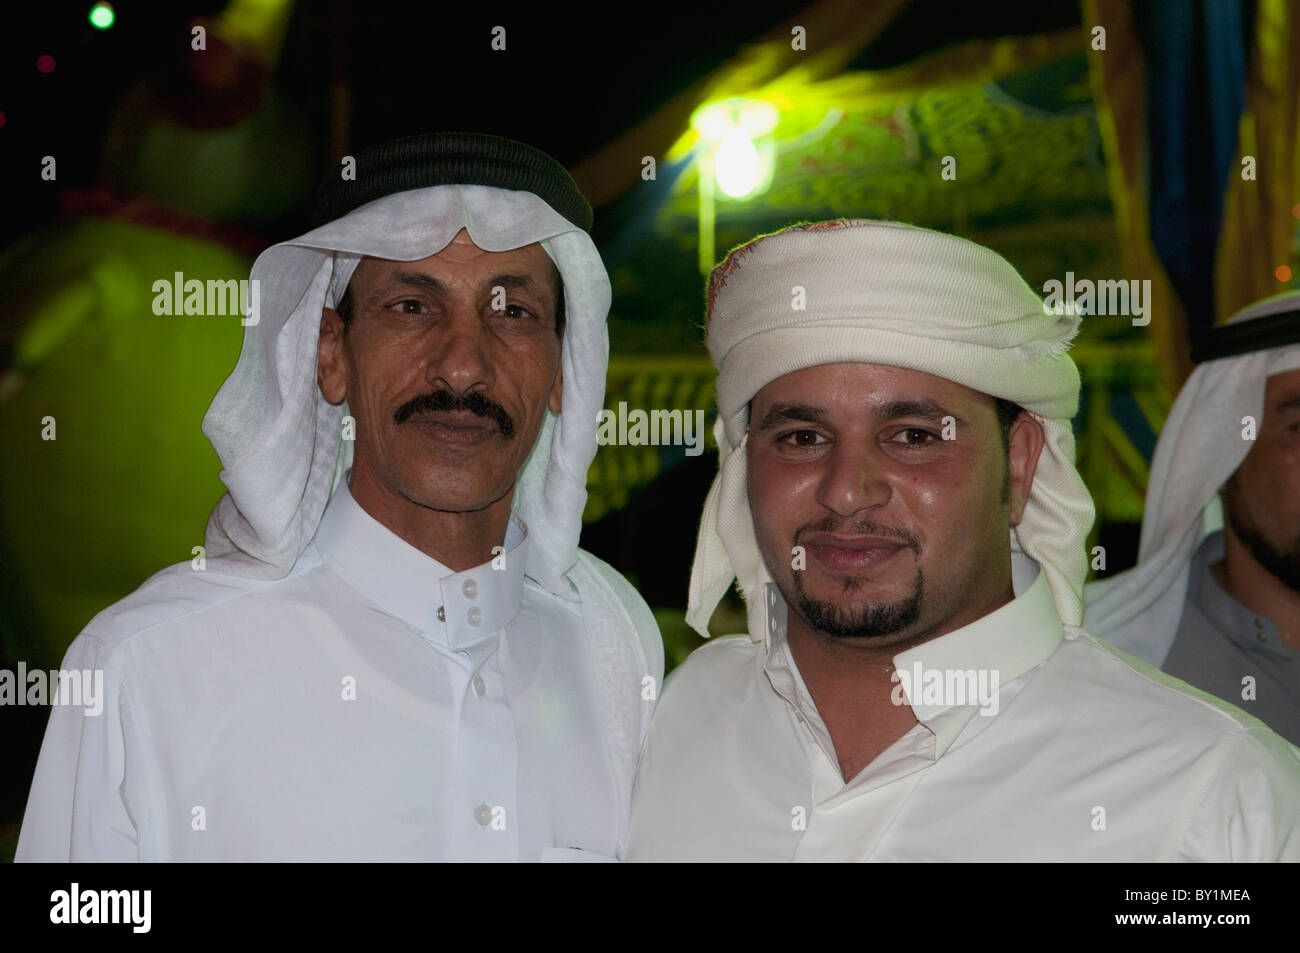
102 16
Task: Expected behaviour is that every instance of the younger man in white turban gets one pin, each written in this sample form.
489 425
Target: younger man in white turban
1215 596
428 668
898 500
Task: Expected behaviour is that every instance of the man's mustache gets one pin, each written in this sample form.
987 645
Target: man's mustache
444 400
858 528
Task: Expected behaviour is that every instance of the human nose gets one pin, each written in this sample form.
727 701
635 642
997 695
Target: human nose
854 479
461 356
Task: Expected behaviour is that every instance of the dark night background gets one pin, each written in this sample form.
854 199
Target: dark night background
1026 115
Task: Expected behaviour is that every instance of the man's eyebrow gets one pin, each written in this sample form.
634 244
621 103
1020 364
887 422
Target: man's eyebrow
807 413
413 279
779 414
513 281
1291 403
925 409
416 279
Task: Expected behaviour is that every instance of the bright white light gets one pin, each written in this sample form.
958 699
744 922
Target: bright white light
736 164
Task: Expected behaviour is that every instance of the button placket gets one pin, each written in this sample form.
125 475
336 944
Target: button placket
486 759
469 589
775 624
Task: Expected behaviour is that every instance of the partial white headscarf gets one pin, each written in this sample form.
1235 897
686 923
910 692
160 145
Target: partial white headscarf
280 441
887 293
1199 448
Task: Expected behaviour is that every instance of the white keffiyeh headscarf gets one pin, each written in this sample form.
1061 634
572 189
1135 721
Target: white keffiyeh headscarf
280 441
1199 448
887 293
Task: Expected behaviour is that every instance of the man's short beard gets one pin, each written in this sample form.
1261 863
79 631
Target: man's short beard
1285 565
871 621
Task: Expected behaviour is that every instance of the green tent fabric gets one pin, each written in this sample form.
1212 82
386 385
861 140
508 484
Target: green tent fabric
126 486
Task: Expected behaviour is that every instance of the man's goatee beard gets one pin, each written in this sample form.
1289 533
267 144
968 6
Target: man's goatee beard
871 621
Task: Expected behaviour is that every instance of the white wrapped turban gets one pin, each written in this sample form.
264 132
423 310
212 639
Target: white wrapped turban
893 294
1200 447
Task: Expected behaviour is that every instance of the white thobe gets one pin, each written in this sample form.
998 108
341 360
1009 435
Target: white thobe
372 705
1086 755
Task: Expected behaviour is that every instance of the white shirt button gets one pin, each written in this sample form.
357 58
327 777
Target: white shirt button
442 613
470 588
475 615
483 814
480 686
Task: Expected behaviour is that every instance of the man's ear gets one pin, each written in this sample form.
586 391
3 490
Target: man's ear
331 357
1024 445
557 389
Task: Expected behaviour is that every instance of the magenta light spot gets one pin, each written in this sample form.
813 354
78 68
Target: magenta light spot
45 63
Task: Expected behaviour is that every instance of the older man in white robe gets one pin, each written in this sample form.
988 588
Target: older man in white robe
397 651
898 500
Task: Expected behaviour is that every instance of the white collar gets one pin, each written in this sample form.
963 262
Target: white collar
1011 640
404 582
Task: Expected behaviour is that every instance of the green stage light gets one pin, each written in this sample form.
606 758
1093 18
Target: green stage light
102 16
739 131
735 149
736 165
